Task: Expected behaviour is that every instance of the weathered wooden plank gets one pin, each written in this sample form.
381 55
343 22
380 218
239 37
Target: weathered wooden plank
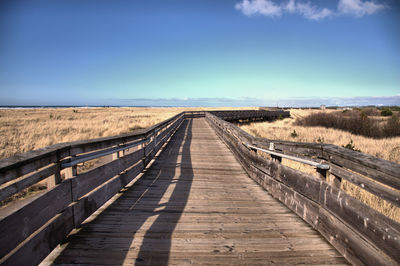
22 164
383 232
379 229
86 182
102 143
383 192
353 247
19 225
292 148
378 169
28 181
42 242
90 203
219 214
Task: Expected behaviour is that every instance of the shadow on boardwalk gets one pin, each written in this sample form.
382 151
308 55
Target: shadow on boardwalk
147 212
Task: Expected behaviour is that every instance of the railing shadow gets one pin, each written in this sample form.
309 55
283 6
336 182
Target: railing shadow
147 212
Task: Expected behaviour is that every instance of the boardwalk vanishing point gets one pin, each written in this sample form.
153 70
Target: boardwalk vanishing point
196 205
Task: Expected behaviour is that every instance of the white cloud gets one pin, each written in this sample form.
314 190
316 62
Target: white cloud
307 10
358 7
264 7
269 8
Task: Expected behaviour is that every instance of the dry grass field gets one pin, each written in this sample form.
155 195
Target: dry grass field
286 129
24 130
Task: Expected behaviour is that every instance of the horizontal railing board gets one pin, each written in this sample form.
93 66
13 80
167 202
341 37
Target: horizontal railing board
380 170
371 224
25 163
22 164
84 183
42 242
28 181
299 200
353 247
345 240
375 188
94 155
32 216
87 205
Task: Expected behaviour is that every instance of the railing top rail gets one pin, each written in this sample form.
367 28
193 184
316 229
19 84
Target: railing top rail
293 158
95 155
24 163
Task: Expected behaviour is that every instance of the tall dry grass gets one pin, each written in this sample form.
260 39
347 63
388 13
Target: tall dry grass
23 130
388 149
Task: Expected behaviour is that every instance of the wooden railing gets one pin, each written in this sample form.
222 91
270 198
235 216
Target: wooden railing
29 233
250 115
364 236
361 234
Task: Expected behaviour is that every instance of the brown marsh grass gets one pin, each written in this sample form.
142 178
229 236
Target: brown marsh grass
387 148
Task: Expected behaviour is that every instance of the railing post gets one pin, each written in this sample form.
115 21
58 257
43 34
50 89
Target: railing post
55 179
118 154
70 172
274 157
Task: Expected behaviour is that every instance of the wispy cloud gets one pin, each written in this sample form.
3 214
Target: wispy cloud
359 8
271 9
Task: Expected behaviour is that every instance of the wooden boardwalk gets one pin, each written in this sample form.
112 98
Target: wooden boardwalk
195 205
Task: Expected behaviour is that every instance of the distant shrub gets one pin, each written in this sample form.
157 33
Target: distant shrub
386 112
351 146
294 134
392 127
356 122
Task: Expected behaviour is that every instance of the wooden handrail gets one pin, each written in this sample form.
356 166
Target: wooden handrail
293 158
359 233
29 233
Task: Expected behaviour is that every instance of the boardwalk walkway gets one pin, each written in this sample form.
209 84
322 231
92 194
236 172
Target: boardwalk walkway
195 204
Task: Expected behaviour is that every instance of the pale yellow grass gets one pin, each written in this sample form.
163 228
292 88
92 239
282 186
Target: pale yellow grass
388 149
23 130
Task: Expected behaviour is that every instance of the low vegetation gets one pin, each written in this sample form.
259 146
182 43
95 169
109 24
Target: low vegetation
364 123
291 129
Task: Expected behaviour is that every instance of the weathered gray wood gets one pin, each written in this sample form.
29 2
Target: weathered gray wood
378 169
86 182
22 164
87 205
28 181
305 194
379 229
19 225
358 251
41 243
191 204
383 192
102 143
353 247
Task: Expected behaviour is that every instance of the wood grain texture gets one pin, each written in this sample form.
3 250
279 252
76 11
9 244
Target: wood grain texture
194 206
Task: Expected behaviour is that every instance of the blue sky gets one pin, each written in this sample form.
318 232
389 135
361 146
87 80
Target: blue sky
239 52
